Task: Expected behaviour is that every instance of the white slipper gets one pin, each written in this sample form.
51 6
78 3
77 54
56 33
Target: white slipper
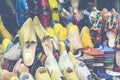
111 38
82 71
51 64
64 61
14 53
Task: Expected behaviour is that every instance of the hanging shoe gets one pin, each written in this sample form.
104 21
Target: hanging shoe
42 74
54 6
51 64
76 17
75 40
95 32
94 12
86 38
42 35
45 17
70 74
22 12
64 61
111 31
114 13
26 76
83 71
106 14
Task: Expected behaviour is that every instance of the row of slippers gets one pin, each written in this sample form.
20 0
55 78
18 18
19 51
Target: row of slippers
76 42
39 35
70 67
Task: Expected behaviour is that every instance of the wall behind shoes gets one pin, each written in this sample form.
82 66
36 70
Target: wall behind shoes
109 4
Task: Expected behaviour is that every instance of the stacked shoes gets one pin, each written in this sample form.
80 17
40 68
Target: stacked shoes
83 49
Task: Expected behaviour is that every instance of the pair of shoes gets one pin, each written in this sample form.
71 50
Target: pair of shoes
60 31
28 42
6 75
80 68
42 36
52 65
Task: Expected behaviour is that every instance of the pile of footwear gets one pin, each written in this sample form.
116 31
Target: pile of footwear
75 45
